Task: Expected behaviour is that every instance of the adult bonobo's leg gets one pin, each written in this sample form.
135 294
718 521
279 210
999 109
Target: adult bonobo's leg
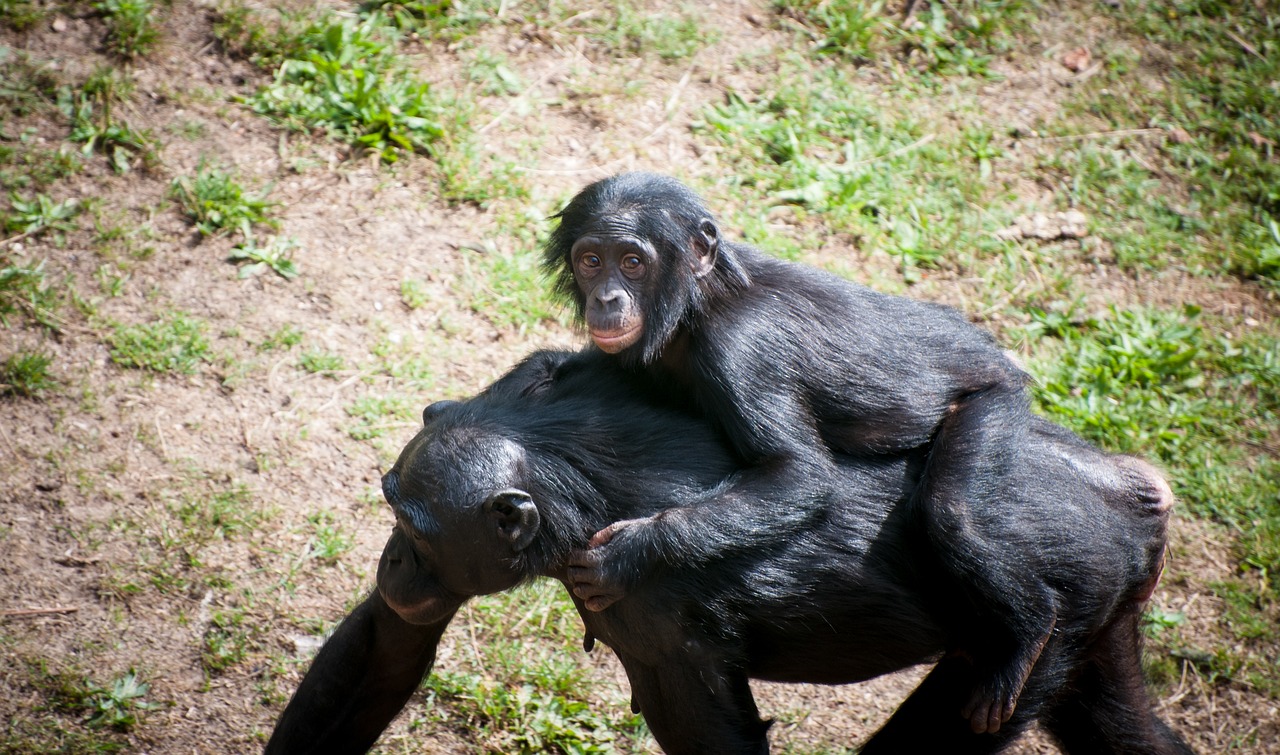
1106 708
697 708
358 682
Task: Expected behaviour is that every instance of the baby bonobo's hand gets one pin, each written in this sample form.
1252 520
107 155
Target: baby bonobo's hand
600 576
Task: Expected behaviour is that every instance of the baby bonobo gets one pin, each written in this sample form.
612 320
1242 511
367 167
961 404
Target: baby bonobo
791 362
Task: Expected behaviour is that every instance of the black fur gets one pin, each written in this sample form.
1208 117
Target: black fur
793 363
842 597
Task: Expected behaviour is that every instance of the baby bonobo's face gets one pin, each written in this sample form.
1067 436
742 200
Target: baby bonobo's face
612 272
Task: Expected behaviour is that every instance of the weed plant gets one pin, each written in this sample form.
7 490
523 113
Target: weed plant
216 202
40 214
26 373
93 124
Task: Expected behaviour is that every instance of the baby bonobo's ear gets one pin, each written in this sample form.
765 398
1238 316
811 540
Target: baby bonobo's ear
706 245
515 515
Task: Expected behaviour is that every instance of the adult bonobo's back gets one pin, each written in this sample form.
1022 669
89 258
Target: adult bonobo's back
499 489
793 362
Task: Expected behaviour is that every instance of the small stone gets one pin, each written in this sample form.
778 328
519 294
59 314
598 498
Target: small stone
1077 60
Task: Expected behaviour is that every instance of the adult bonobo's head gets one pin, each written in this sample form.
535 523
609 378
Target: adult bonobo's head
638 253
463 525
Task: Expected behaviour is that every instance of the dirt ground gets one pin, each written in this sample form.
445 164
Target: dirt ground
98 478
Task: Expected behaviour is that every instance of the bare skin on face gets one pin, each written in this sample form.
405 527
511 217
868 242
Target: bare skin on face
613 272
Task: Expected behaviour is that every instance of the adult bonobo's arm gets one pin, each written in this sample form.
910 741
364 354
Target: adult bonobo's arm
367 670
358 682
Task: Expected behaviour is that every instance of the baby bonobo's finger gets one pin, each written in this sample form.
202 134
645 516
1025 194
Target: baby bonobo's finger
605 535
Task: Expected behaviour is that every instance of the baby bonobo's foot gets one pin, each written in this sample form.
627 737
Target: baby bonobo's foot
993 701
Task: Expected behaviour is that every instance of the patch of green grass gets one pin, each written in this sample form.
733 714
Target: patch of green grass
468 173
27 167
47 735
216 202
57 723
327 542
27 85
320 362
21 15
413 293
520 717
351 84
437 19
378 414
26 373
217 515
818 141
643 32
1132 381
24 289
285 338
119 707
960 37
808 749
131 28
510 290
1156 622
493 72
852 28
115 707
267 42
1206 179
174 343
228 640
122 238
526 691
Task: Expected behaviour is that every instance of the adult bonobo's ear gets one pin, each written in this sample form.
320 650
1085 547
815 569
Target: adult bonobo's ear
516 516
435 410
706 245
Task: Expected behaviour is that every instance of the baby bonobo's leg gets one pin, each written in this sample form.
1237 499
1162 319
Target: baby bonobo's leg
963 501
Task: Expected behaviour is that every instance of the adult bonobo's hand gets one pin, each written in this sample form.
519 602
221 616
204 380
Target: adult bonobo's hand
604 572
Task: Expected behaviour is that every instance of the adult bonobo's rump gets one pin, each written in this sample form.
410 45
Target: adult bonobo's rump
790 362
501 488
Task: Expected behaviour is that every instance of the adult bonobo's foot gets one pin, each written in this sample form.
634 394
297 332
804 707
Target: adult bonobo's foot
993 701
612 563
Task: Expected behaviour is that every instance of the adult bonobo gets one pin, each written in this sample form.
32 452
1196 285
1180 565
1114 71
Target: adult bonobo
502 488
792 363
